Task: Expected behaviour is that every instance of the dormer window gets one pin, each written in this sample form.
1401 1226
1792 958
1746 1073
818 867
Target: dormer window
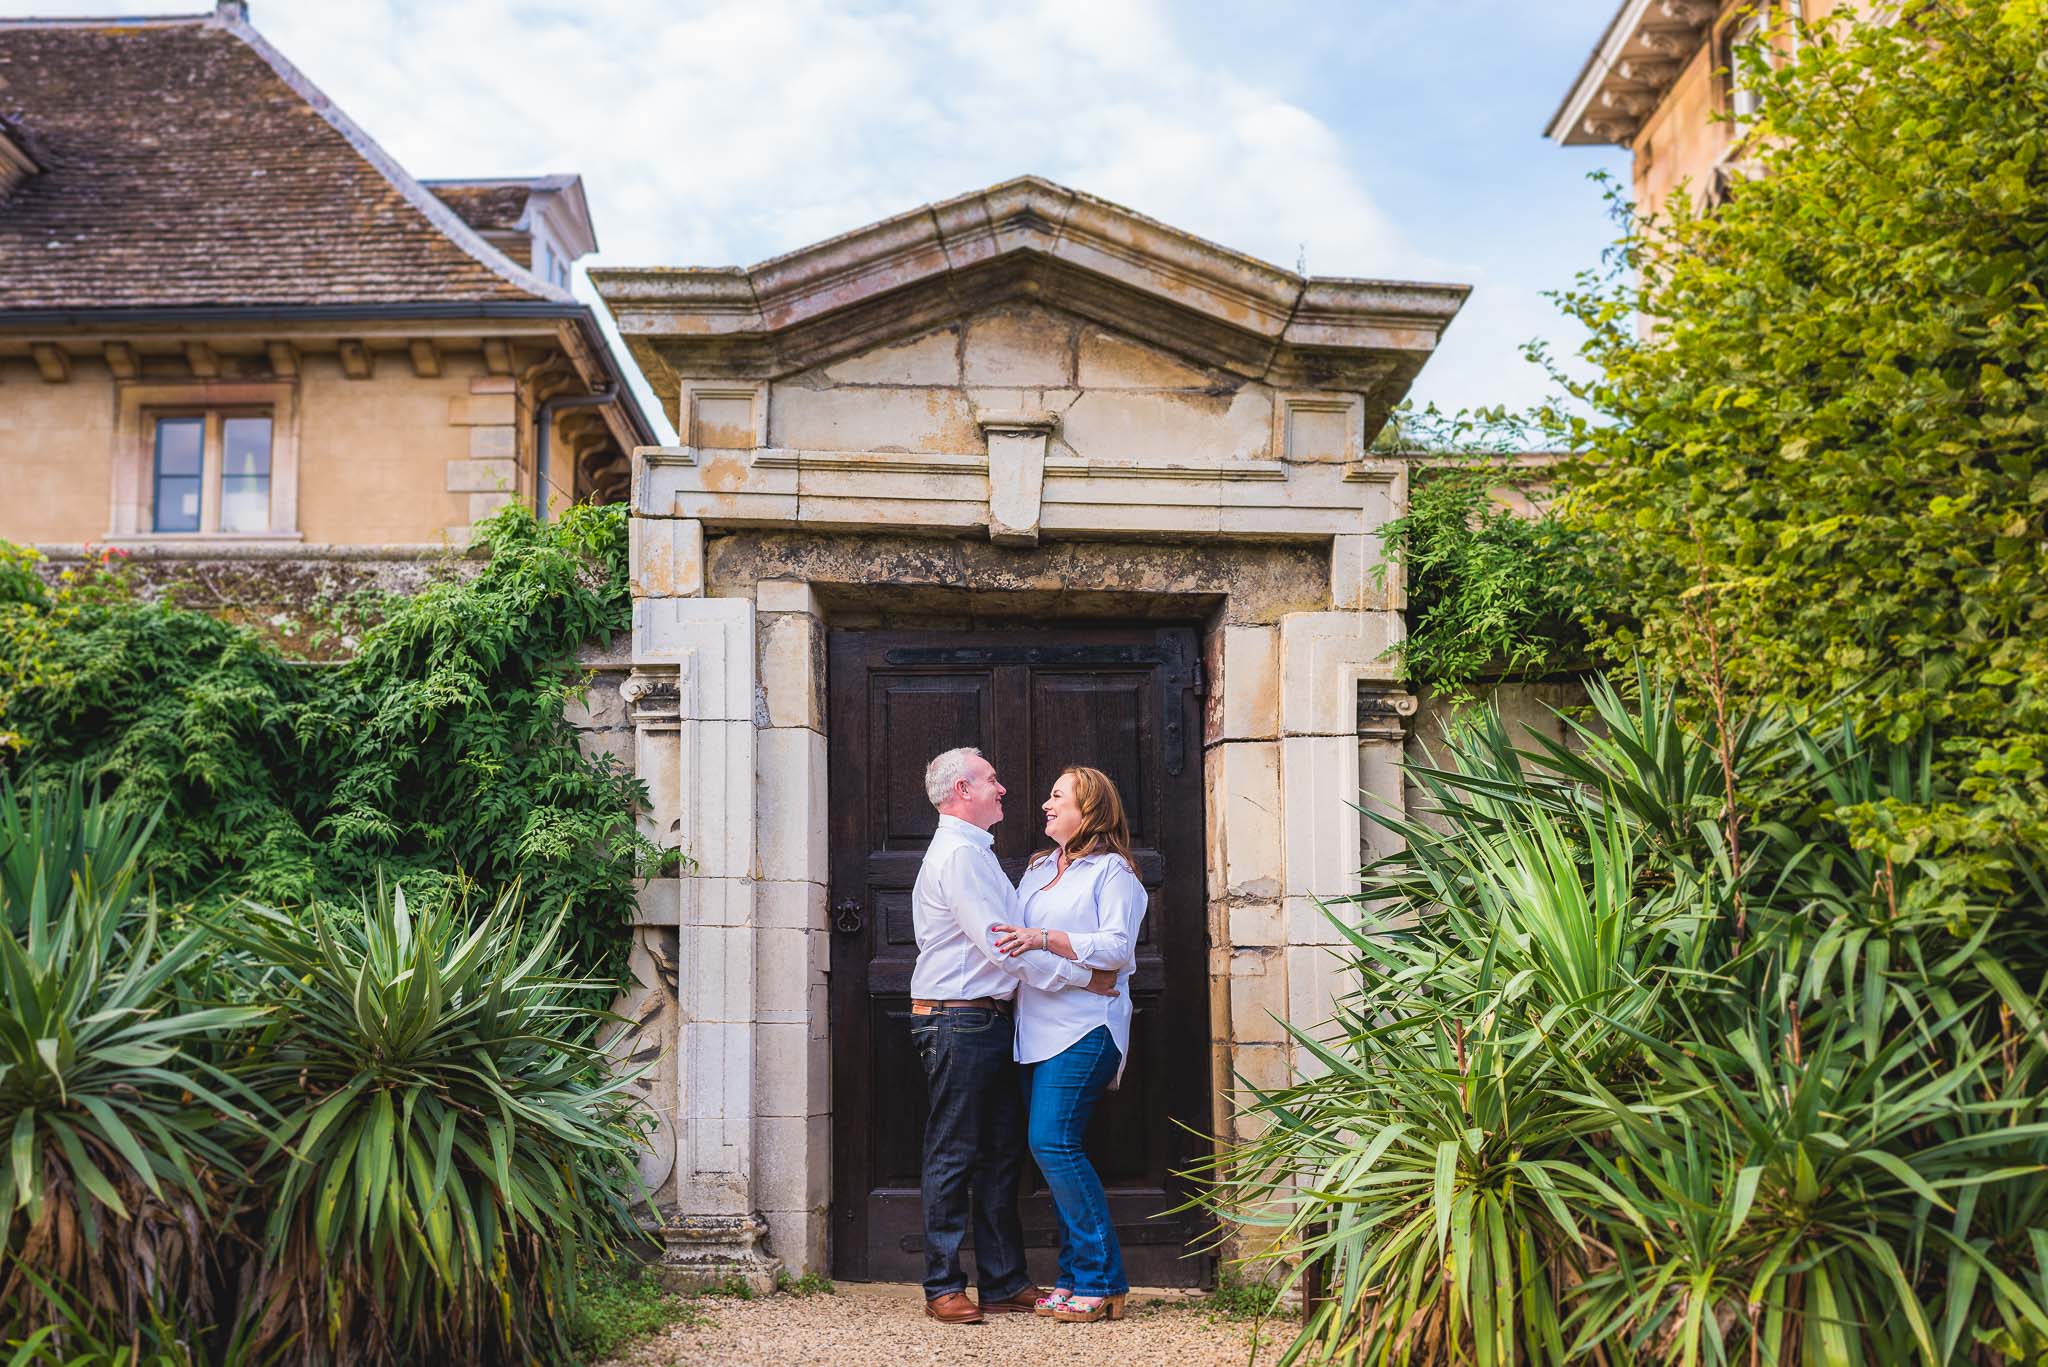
16 163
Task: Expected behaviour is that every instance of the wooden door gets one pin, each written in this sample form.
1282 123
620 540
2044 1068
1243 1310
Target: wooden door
1119 699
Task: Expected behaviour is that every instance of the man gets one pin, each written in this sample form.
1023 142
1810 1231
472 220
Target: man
962 992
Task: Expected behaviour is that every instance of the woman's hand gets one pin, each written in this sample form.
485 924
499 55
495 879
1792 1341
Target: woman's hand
1016 939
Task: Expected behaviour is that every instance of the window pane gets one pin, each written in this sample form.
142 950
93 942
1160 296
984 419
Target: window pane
245 447
180 446
245 475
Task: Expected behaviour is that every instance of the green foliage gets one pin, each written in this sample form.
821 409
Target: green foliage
437 754
1491 590
1239 1298
113 1113
380 1137
1649 1062
810 1284
450 1141
1813 465
619 1302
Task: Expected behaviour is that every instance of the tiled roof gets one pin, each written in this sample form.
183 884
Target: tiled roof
485 207
187 163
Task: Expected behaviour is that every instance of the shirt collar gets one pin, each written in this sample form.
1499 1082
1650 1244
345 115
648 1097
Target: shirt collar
967 830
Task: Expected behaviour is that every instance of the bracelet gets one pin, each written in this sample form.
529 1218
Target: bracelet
1044 938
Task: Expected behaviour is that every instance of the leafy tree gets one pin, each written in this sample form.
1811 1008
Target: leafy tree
1815 464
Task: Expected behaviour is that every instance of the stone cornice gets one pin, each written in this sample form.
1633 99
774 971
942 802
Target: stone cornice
1027 239
1646 45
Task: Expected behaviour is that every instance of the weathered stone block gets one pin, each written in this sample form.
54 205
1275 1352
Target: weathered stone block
1246 796
793 669
785 595
1254 925
482 476
791 798
1323 655
483 409
1319 780
782 990
493 443
482 506
1251 683
1108 361
1258 996
1145 426
667 557
933 359
1019 347
791 905
856 419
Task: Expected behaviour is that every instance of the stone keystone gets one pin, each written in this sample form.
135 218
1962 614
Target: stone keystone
1016 473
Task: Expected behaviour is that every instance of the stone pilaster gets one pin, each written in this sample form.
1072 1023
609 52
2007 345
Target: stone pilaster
703 786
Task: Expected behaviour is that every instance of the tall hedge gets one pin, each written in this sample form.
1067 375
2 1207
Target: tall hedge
1815 463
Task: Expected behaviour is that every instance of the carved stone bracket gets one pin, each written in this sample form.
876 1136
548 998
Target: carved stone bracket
653 698
1383 713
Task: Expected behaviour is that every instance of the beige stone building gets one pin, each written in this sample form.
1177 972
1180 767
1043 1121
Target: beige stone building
231 326
1665 82
1026 470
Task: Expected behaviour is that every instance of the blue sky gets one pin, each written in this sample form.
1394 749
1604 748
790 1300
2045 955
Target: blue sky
1389 138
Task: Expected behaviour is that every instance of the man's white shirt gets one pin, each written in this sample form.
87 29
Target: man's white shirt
960 893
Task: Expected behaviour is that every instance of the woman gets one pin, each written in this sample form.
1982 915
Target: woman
1082 900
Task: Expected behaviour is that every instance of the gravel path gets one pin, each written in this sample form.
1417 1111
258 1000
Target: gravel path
864 1324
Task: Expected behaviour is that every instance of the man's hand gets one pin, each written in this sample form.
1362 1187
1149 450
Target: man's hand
1102 982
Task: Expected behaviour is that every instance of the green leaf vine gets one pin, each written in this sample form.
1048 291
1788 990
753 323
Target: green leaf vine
439 745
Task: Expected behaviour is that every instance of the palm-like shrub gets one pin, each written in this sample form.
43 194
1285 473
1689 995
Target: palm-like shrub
118 1125
1631 1076
452 1141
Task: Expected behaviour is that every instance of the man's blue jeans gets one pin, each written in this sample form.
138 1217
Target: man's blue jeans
973 1150
1064 1089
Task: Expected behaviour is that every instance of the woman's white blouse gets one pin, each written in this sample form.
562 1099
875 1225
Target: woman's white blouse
1100 904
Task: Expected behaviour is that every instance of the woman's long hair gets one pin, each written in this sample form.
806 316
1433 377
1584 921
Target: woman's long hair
1104 827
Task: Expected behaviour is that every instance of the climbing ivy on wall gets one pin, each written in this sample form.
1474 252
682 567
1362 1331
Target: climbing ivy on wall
1492 592
437 753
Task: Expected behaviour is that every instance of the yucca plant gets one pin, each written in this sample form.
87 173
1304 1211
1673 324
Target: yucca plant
117 1120
1635 1072
453 1139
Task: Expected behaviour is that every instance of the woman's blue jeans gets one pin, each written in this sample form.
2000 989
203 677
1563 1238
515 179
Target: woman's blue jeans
1064 1089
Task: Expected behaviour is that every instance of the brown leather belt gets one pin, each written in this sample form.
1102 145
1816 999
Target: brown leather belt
921 1007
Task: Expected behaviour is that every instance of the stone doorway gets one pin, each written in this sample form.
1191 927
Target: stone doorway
1023 405
1121 699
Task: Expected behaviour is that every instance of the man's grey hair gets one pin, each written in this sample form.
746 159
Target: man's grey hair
945 771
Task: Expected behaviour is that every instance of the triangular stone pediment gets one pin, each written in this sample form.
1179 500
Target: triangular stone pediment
881 290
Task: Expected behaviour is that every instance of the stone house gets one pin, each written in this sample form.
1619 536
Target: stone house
233 328
1665 82
1027 470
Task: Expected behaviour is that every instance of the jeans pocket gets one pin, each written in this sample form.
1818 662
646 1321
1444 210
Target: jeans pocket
970 1020
925 1039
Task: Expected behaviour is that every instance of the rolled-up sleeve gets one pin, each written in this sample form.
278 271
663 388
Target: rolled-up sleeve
1120 908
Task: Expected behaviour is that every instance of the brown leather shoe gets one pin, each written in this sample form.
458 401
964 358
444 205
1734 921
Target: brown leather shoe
953 1308
1025 1302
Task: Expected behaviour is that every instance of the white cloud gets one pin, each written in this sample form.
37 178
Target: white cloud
726 131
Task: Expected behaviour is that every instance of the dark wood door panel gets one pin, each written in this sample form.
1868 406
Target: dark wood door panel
1034 702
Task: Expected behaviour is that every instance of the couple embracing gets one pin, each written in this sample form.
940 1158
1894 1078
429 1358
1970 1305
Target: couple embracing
1021 1014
